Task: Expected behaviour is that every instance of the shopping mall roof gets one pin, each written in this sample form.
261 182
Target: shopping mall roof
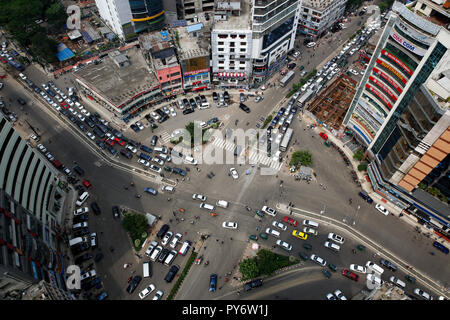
118 84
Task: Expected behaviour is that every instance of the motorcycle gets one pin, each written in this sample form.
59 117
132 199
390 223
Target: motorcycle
248 208
138 196
206 263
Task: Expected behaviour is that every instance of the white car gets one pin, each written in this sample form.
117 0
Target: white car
144 293
381 209
173 113
175 240
331 296
67 171
311 44
22 76
335 237
81 211
338 293
90 135
200 197
284 245
45 86
229 225
166 238
374 279
397 282
155 168
79 225
131 148
279 225
310 231
88 274
150 248
144 162
154 115
80 116
85 112
168 189
269 211
423 294
42 148
158 161
158 295
318 260
358 268
234 173
139 125
110 135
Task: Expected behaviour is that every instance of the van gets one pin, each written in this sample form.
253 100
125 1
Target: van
164 157
190 160
82 198
222 203
397 282
180 104
310 223
170 258
375 267
76 241
146 270
160 149
155 253
78 170
184 248
206 206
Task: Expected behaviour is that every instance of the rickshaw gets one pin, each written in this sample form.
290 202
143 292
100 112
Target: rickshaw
260 213
213 214
253 237
181 210
199 260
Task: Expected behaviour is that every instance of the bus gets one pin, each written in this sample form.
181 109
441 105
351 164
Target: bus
16 65
287 138
304 98
287 78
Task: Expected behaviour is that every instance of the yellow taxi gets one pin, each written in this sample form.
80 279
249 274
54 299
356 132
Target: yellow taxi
299 235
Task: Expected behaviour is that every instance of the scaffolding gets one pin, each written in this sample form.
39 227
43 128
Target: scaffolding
331 105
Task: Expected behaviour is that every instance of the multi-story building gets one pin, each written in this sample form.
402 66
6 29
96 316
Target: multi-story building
32 196
192 8
317 16
121 83
160 52
44 291
231 44
274 26
128 17
400 111
193 53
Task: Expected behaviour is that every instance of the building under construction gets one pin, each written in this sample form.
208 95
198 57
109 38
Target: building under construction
331 105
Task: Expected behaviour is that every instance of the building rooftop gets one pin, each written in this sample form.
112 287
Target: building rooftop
229 16
155 41
192 44
432 202
163 63
118 84
317 4
388 291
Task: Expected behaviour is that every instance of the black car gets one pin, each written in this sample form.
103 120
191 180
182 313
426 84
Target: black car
154 141
126 153
188 110
95 208
215 96
80 248
253 284
91 284
163 231
160 112
171 274
100 144
98 257
226 96
112 150
115 212
21 101
163 118
133 284
93 118
89 122
81 232
186 103
244 107
292 65
149 118
198 101
80 218
388 264
203 98
192 102
163 255
83 258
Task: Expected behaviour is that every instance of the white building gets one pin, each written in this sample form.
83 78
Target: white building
231 44
116 14
319 15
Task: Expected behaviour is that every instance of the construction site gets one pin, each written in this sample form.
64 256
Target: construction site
331 105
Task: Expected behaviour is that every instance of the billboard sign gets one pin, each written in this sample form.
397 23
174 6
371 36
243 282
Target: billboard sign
406 44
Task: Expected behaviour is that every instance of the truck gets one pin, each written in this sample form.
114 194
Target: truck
288 77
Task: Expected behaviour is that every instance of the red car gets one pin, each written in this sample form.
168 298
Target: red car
122 143
290 221
86 183
64 105
109 142
323 136
350 275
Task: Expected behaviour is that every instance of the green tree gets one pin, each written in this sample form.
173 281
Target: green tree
249 268
43 46
301 157
56 15
358 155
135 224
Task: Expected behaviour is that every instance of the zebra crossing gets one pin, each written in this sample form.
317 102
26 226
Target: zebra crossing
253 156
165 137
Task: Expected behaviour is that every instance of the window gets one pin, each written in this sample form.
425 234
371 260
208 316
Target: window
243 50
243 43
220 49
423 7
221 43
231 50
232 44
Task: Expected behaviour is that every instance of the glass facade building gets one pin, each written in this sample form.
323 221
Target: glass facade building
147 15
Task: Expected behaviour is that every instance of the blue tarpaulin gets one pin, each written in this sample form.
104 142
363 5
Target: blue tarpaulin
64 53
194 27
86 37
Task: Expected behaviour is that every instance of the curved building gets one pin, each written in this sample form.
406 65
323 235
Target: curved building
147 14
